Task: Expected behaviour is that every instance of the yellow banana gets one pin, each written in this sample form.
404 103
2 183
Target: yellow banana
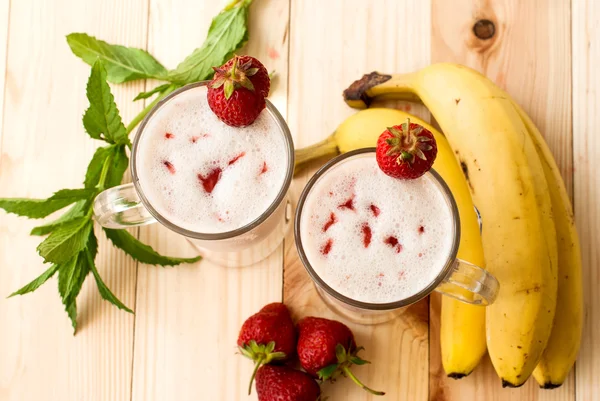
561 352
462 325
509 187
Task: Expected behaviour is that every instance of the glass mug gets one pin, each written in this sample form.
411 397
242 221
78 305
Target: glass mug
458 279
126 206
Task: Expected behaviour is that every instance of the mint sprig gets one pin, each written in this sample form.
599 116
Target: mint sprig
122 63
71 245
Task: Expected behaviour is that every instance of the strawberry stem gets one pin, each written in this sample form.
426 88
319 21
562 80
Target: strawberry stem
349 373
257 365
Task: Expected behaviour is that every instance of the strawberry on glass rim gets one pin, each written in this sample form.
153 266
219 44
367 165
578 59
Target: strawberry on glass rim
406 151
238 90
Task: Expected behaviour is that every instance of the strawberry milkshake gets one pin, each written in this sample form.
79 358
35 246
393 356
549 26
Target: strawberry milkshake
205 176
373 238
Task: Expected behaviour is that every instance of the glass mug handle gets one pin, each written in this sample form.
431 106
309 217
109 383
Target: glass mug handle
121 207
469 283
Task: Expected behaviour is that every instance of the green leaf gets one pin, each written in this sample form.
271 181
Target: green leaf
358 360
105 292
340 353
78 210
327 372
71 310
35 284
142 252
66 241
122 63
118 165
228 32
39 208
117 168
71 276
146 95
102 120
92 175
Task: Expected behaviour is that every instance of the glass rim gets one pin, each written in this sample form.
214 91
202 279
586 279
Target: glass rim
283 128
368 305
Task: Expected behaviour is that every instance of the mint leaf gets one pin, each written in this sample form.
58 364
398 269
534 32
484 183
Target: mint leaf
39 208
66 241
71 276
94 170
102 120
142 252
35 284
78 210
117 168
228 32
122 63
105 292
118 164
146 95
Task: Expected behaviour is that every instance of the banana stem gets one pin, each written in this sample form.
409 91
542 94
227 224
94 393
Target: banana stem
327 147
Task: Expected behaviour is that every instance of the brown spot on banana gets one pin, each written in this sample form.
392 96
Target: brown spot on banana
465 170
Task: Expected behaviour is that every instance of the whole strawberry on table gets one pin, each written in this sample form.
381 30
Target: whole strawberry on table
326 350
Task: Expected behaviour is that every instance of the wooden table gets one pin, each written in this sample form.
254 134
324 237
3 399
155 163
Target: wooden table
180 343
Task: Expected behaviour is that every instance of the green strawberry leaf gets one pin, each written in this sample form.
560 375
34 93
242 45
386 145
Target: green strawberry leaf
228 32
146 95
39 208
142 252
340 353
327 372
66 241
78 210
358 361
123 64
36 283
102 120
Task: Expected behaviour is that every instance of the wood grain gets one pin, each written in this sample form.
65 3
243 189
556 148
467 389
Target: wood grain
44 148
529 56
188 317
4 19
586 147
328 50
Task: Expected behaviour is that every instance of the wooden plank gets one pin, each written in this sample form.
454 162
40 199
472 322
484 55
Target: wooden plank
586 148
4 12
529 56
328 50
44 148
189 317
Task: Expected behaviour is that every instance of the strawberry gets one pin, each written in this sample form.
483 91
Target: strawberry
255 70
238 90
281 383
267 336
326 349
406 151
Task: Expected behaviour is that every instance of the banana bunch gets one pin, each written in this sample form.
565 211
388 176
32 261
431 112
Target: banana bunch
529 237
462 325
